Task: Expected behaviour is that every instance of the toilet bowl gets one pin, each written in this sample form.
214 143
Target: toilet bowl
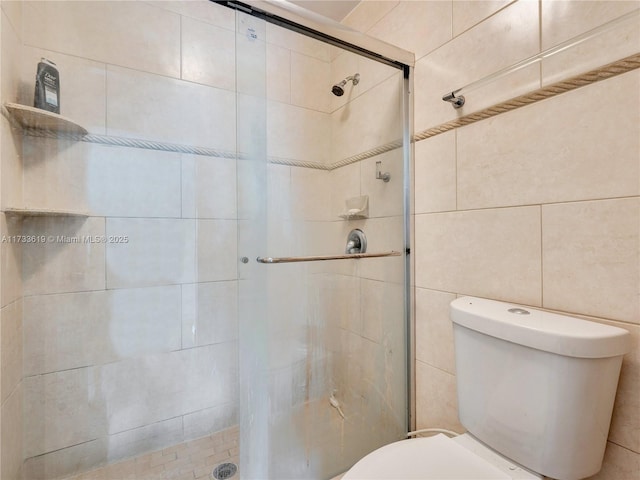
535 393
438 458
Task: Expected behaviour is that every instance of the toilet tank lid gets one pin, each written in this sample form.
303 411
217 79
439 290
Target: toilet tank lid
551 332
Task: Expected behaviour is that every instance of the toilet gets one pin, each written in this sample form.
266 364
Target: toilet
535 393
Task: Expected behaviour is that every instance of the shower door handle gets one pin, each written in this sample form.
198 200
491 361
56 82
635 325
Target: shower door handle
318 258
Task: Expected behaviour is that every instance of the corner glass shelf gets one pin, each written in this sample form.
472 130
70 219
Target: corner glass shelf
42 212
38 119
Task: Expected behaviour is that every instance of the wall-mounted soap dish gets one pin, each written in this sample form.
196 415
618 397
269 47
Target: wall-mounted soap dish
357 208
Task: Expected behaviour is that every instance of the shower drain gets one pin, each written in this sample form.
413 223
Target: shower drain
224 471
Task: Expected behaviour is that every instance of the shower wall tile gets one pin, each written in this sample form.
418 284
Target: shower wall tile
382 236
381 303
157 252
316 240
367 14
297 42
502 162
61 463
310 189
342 305
487 253
375 299
216 250
287 343
591 253
435 174
143 391
373 73
251 138
561 21
82 86
279 391
364 123
335 234
13 10
92 328
437 402
385 198
10 348
505 38
202 423
209 313
280 205
621 41
201 10
55 173
154 436
132 182
298 133
209 187
310 82
208 54
11 435
11 283
343 66
468 13
11 58
10 138
153 107
126 400
67 262
63 409
251 59
434 330
278 74
418 27
11 189
344 183
130 34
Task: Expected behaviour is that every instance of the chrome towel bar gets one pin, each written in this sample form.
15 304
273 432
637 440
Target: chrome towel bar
318 258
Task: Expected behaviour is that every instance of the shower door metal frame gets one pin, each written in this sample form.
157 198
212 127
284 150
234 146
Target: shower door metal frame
300 20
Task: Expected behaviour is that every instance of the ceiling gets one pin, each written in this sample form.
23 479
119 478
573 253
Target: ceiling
334 9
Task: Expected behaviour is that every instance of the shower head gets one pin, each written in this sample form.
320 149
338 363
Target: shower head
338 88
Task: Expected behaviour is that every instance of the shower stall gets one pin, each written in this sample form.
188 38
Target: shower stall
177 285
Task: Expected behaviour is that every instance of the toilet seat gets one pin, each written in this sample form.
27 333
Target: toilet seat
438 457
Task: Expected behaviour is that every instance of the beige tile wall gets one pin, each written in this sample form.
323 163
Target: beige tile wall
11 292
363 301
538 206
132 346
129 347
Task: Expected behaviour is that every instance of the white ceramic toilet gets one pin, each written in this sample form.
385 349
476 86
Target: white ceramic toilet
535 393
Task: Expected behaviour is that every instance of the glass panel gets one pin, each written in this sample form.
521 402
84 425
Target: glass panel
122 317
252 177
322 345
134 340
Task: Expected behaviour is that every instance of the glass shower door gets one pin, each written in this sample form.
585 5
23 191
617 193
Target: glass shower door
322 344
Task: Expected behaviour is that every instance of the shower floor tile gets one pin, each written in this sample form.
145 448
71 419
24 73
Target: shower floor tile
186 461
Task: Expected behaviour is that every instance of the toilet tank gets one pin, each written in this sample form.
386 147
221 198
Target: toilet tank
537 387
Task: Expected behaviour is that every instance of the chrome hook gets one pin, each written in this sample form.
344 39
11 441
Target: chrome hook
457 102
385 177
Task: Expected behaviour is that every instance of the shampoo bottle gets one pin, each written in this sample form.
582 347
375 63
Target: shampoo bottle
47 95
